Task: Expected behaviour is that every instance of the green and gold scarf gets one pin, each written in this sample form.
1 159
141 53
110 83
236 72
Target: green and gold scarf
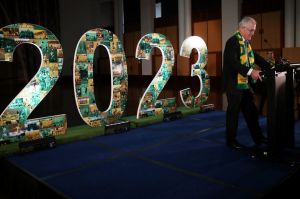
246 61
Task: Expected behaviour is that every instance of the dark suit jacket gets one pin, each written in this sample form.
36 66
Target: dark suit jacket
232 65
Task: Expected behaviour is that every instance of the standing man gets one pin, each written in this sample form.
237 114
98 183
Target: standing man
239 60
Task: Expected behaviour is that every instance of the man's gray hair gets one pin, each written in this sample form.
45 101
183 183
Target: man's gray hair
246 20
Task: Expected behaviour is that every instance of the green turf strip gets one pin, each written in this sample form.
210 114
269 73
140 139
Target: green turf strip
86 132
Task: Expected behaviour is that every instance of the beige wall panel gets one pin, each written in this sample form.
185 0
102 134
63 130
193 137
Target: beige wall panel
271 30
200 29
292 54
256 39
183 66
214 36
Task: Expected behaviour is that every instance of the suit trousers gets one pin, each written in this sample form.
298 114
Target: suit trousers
242 99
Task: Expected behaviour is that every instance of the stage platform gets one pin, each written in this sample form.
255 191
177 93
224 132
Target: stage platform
184 158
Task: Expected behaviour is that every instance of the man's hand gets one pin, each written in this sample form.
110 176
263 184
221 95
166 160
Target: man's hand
255 74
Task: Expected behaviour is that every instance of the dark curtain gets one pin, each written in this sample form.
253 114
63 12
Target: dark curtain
26 61
41 12
26 57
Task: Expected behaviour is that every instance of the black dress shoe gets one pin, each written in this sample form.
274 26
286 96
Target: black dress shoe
263 141
234 145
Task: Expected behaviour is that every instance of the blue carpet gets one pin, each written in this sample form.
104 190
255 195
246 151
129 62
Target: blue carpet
186 158
133 178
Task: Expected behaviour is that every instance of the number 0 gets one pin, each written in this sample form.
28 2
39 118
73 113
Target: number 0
83 77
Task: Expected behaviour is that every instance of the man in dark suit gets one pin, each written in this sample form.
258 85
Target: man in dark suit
238 69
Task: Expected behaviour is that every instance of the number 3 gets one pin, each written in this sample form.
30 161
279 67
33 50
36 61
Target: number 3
187 46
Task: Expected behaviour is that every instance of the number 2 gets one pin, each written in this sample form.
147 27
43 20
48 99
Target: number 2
143 51
13 120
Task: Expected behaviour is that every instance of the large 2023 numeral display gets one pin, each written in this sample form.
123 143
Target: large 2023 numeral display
14 125
13 120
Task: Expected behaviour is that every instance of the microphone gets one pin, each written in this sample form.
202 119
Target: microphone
281 64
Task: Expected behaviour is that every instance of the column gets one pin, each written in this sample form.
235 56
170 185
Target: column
119 19
289 23
297 34
230 20
184 20
147 26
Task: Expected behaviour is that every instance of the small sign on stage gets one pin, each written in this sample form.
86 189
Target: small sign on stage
118 127
207 107
37 144
173 116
